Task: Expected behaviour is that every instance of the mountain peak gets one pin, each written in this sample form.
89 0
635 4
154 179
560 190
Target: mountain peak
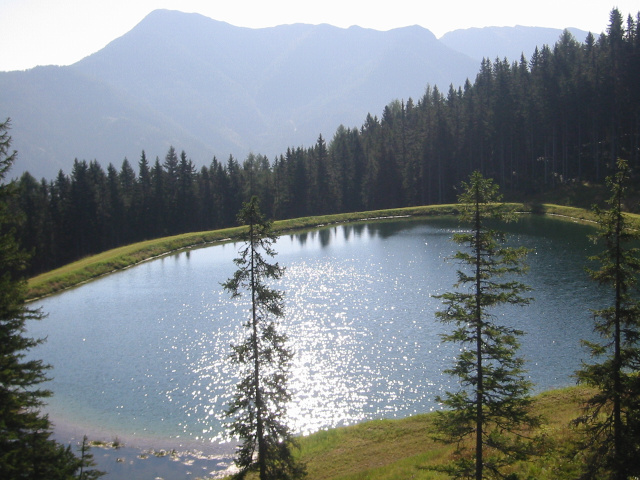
210 88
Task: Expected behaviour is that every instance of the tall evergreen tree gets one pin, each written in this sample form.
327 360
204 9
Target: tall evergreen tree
220 187
115 208
232 190
206 207
160 199
298 183
171 180
185 195
143 219
36 227
26 449
320 185
493 404
127 180
60 208
259 404
611 420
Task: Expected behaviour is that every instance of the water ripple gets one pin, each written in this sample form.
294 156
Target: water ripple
145 352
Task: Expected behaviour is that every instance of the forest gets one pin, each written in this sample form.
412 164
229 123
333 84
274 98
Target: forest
560 118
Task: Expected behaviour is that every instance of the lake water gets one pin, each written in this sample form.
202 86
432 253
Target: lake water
142 354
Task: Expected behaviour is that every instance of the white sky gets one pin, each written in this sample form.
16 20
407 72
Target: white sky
61 32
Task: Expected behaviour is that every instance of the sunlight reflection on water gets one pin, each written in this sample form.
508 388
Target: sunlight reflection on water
143 353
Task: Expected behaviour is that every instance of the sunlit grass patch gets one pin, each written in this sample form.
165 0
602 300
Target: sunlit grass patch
404 448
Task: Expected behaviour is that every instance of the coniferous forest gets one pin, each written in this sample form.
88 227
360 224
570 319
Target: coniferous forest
561 117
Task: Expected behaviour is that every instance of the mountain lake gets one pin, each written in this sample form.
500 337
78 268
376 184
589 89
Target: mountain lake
141 356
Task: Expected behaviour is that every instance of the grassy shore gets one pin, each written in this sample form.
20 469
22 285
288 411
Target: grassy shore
95 266
405 449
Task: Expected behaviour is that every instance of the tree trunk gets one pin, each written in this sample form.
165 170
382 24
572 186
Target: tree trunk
256 364
617 360
480 386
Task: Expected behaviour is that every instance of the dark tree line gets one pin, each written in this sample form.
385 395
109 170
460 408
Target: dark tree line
561 117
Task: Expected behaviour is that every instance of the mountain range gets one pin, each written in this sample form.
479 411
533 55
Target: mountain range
210 88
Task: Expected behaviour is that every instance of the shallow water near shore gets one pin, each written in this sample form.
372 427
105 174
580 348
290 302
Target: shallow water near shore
141 355
139 458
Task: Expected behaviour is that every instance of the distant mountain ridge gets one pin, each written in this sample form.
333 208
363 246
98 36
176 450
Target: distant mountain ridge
501 42
211 88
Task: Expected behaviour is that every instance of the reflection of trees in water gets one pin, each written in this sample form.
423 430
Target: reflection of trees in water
382 229
357 229
302 238
325 236
534 225
387 229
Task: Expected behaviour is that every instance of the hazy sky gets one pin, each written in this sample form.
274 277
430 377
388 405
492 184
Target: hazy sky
61 32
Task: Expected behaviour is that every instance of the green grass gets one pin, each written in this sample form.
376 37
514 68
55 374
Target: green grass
405 449
381 449
110 261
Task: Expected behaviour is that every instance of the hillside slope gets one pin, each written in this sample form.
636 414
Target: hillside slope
211 88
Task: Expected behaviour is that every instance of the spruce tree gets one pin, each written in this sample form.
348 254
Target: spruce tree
611 419
489 416
26 449
258 407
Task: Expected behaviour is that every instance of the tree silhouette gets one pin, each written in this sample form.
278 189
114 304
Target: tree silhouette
259 404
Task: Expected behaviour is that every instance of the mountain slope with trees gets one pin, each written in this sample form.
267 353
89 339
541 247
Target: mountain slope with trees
559 120
216 89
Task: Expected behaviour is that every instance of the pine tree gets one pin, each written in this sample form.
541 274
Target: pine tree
26 449
143 217
492 405
611 420
87 461
259 405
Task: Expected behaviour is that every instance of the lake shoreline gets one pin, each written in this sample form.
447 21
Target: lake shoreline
147 457
142 454
120 258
